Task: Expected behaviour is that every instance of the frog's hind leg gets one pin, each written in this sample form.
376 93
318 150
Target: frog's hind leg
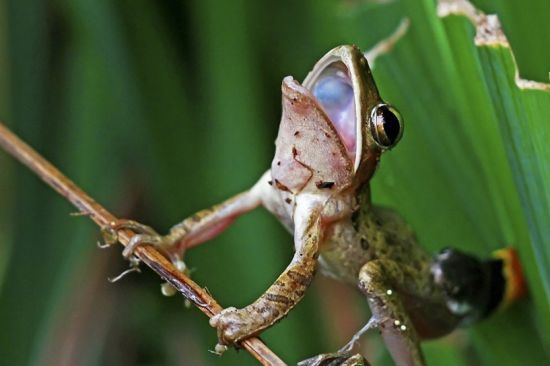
378 280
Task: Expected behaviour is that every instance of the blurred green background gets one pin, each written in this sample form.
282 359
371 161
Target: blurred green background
161 108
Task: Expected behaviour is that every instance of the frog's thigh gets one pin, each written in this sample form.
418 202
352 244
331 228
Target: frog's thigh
378 279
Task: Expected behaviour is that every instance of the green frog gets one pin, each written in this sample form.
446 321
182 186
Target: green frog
333 131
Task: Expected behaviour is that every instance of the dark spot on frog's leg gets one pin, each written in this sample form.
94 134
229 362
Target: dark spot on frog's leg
279 163
299 278
296 133
268 311
322 185
294 152
414 263
277 298
364 244
288 200
391 239
270 182
383 251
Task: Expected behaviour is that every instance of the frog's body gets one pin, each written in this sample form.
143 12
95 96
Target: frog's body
375 234
356 233
333 131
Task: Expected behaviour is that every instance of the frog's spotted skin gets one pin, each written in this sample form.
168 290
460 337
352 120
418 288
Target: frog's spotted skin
318 186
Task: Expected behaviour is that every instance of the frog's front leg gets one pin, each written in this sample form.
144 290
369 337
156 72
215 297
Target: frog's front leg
379 280
196 229
235 325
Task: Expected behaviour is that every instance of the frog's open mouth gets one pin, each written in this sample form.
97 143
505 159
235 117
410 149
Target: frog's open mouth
333 90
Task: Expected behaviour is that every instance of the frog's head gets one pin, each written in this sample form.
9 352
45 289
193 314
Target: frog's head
334 126
343 85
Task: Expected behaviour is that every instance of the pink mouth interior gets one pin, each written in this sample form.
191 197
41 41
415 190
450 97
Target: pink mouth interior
334 92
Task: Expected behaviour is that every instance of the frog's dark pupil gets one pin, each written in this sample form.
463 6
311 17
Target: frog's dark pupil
391 124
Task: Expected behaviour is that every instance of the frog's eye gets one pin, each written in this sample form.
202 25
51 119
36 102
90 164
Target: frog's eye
386 125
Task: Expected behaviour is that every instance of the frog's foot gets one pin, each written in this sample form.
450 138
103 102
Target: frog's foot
335 359
233 325
144 235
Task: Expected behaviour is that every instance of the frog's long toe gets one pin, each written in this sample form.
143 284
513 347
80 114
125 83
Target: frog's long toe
335 359
110 232
139 240
372 323
134 226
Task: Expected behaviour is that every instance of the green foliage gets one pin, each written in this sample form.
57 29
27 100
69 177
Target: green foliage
159 109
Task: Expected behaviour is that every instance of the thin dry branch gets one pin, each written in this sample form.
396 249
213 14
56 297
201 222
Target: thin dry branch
147 254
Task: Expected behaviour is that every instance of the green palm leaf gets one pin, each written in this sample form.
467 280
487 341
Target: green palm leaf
160 109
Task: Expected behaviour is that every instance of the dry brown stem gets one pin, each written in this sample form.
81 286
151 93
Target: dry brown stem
147 254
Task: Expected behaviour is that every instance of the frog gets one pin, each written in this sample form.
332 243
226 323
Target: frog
334 129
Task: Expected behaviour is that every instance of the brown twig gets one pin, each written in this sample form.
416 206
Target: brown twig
147 254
